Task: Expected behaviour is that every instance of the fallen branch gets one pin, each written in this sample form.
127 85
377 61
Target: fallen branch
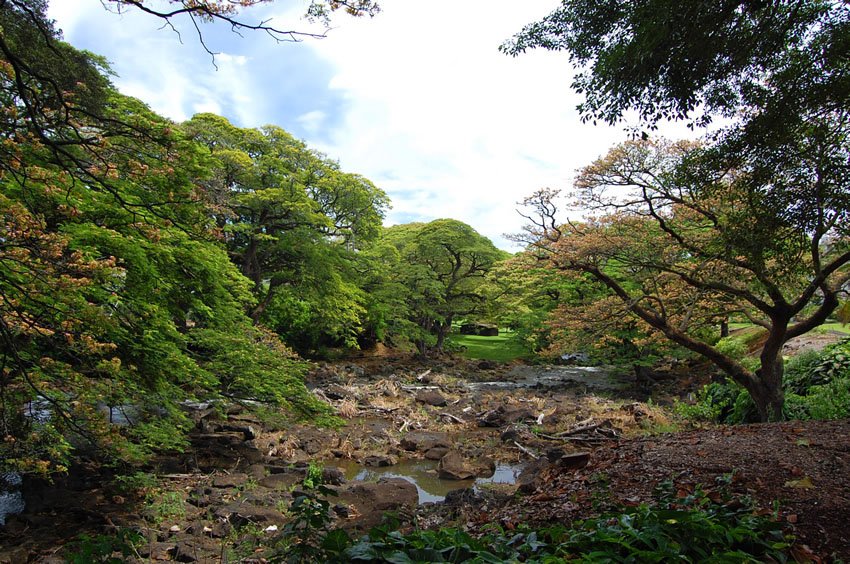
526 451
451 417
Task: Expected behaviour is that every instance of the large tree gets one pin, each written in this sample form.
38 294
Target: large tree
443 267
683 248
113 289
779 73
293 222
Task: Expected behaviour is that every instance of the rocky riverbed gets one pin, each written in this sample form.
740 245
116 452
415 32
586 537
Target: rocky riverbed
442 444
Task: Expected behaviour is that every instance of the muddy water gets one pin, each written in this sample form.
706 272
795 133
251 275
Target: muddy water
423 475
590 378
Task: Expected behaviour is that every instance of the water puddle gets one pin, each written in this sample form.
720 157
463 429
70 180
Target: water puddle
592 378
11 499
423 475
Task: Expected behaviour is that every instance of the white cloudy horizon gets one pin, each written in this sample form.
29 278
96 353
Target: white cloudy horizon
418 99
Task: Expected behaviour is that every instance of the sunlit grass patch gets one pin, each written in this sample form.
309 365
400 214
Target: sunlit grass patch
498 349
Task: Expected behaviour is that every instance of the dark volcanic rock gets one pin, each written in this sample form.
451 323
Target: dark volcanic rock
372 500
431 397
423 441
531 476
454 467
380 460
504 415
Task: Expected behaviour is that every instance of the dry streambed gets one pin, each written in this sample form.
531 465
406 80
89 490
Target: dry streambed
411 437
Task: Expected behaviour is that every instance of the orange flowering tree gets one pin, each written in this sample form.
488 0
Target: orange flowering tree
683 237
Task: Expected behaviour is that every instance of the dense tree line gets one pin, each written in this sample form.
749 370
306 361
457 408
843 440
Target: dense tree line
145 262
754 221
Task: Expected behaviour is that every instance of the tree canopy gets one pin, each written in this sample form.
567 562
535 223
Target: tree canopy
443 266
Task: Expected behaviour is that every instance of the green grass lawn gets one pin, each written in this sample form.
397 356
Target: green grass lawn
497 349
825 327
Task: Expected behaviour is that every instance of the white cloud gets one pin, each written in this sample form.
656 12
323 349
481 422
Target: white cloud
447 124
312 121
432 112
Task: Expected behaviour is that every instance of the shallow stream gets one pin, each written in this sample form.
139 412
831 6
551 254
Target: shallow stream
423 475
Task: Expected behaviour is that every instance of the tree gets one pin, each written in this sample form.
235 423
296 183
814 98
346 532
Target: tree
293 222
684 243
444 263
113 289
771 63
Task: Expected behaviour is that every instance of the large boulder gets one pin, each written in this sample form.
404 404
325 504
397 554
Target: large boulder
431 397
372 499
423 441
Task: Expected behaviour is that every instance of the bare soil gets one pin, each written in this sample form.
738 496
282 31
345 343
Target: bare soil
799 470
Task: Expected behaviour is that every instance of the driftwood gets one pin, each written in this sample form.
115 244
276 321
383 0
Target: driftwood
526 451
451 417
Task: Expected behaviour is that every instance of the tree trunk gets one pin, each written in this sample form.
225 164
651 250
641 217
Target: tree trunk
767 392
724 328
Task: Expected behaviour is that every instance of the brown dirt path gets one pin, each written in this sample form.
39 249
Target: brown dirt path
804 466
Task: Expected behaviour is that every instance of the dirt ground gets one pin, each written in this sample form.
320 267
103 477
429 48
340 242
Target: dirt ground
802 466
244 470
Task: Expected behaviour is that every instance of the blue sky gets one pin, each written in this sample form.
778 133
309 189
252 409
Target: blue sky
418 99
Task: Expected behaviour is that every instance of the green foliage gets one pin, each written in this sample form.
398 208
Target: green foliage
442 266
503 348
165 506
700 527
692 529
102 549
722 402
137 484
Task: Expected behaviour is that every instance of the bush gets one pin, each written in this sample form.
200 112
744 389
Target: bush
700 527
721 402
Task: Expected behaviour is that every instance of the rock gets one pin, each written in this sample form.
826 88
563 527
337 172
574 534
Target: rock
454 467
487 365
505 415
380 460
157 550
518 433
280 481
333 476
240 514
485 467
431 397
230 480
574 460
423 441
372 499
337 392
481 329
461 496
197 549
436 453
636 410
531 476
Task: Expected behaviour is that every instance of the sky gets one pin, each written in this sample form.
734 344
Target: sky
417 99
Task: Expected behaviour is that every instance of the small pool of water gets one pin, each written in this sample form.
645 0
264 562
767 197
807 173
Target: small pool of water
423 475
11 499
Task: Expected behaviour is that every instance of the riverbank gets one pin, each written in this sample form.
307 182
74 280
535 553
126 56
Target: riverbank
504 444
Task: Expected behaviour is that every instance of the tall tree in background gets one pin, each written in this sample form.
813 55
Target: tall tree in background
444 264
293 222
113 289
768 197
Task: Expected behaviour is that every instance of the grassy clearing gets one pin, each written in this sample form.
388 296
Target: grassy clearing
820 329
498 349
841 328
